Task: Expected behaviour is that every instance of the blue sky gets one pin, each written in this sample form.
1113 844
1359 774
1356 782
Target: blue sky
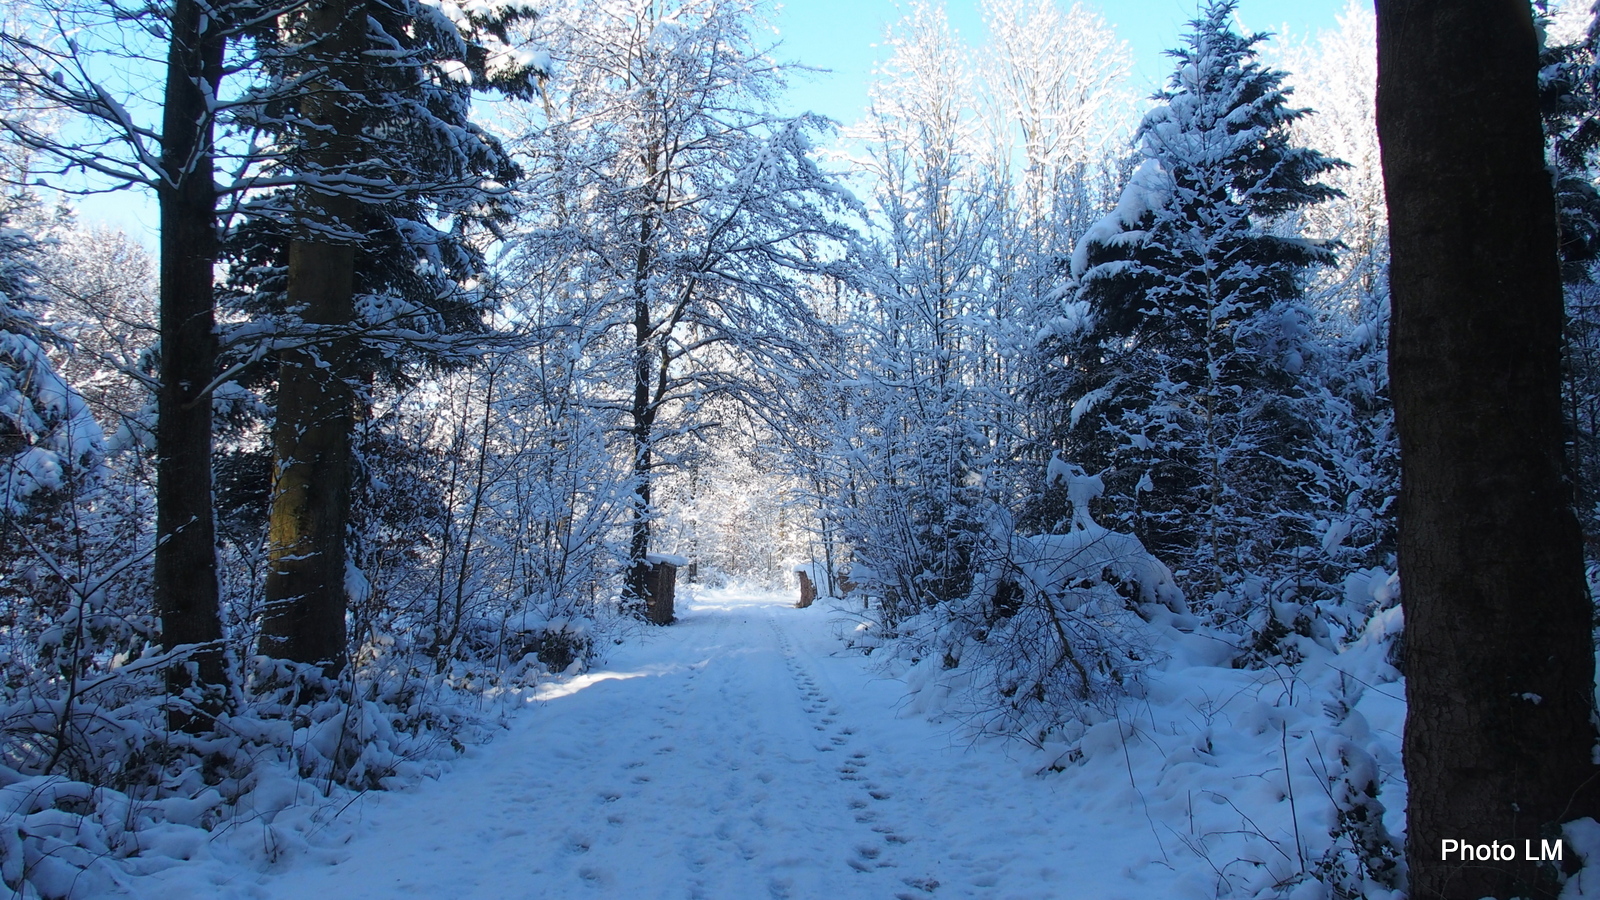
842 35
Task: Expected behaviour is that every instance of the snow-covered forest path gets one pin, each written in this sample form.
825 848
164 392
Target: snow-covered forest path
741 753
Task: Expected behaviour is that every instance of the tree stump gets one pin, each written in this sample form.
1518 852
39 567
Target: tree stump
660 585
808 591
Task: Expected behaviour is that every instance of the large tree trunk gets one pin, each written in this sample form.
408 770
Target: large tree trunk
186 592
1499 656
305 585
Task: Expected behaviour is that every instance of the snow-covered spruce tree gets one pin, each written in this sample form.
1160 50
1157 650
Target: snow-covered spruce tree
368 255
1181 377
1335 76
682 213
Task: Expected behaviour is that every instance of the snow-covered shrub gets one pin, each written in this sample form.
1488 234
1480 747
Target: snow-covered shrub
1055 624
918 532
48 438
1362 850
1277 777
94 786
552 633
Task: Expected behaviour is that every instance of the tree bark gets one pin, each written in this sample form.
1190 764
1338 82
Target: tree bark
1499 655
643 412
305 595
185 577
305 585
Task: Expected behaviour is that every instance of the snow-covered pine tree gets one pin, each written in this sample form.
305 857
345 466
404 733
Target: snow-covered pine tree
368 253
1178 372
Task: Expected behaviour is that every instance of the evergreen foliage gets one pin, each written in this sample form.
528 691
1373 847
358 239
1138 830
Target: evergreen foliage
422 172
1180 372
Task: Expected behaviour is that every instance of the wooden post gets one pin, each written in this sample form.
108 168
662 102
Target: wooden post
660 587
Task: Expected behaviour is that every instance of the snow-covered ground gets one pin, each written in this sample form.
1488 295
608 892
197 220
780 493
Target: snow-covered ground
740 753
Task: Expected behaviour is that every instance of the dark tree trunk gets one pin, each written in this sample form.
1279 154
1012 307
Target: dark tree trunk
635 587
1499 655
305 586
186 592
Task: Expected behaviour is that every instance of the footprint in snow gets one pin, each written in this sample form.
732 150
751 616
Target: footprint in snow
890 836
